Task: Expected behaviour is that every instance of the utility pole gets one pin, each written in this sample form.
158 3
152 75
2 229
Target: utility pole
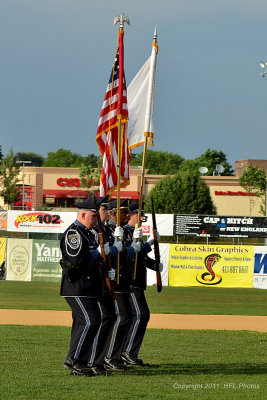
23 192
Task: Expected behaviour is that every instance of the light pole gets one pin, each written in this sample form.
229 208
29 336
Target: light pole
263 65
23 164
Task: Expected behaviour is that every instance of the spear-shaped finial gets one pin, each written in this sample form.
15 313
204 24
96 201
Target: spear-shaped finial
155 34
121 19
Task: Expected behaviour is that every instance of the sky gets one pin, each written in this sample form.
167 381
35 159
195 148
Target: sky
57 55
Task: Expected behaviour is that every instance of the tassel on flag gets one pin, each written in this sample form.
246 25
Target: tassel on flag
114 109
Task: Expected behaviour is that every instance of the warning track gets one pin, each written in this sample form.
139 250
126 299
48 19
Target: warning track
157 321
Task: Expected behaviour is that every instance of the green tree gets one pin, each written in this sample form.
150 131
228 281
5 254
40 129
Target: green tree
9 172
158 162
63 158
253 180
36 159
1 154
209 159
184 193
89 175
92 160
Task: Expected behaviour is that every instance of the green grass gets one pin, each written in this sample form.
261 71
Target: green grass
173 300
202 365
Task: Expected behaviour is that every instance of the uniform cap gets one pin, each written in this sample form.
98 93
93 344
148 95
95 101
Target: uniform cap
92 204
133 208
123 204
103 202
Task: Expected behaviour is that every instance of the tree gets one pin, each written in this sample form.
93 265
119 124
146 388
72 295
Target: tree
36 159
92 160
184 193
90 176
1 154
9 172
159 162
253 180
209 159
63 158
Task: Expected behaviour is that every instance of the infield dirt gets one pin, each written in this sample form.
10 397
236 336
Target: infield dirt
157 321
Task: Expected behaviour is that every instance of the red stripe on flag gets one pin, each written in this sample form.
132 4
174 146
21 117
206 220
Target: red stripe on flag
114 105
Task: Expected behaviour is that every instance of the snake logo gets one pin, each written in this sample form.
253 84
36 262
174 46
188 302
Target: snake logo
210 278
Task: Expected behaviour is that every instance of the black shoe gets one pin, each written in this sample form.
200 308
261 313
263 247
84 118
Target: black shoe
114 365
98 369
79 368
68 363
132 360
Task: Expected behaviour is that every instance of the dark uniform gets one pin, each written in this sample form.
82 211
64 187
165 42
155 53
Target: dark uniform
107 309
140 310
122 304
82 284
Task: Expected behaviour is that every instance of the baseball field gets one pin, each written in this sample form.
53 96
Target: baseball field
216 351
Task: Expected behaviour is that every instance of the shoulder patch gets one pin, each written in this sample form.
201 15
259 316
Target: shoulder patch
73 239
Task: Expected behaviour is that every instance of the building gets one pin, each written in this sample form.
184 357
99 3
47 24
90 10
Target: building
60 189
241 166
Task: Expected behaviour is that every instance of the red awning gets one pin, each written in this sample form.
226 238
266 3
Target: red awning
126 194
80 194
70 194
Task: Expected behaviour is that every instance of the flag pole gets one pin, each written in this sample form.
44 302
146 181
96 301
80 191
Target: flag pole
148 127
121 19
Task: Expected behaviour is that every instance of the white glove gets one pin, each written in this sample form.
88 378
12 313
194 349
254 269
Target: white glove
106 249
136 246
118 232
160 267
118 244
111 274
138 234
151 239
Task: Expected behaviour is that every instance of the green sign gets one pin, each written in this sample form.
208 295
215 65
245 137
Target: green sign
45 261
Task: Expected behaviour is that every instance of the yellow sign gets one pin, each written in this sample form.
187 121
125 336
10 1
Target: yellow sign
2 250
211 265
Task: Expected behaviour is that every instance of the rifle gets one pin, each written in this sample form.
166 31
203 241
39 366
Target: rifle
106 258
156 246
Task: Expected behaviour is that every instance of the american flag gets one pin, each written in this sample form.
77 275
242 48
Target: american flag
114 107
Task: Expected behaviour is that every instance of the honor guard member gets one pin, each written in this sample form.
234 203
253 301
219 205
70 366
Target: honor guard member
107 306
113 359
82 285
140 310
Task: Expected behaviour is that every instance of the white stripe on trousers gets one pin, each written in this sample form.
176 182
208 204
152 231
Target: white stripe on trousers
114 333
92 359
86 328
138 313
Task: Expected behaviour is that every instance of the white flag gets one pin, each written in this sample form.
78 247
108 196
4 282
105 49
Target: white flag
140 94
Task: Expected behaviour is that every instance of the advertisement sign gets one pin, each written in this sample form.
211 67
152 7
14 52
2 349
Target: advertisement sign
220 226
19 256
3 220
260 267
211 265
39 221
164 258
2 257
164 224
45 261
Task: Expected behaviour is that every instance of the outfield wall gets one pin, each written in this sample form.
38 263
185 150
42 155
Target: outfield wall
183 264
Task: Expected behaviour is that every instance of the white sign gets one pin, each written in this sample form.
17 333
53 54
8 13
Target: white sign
260 267
39 221
164 224
164 258
19 259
